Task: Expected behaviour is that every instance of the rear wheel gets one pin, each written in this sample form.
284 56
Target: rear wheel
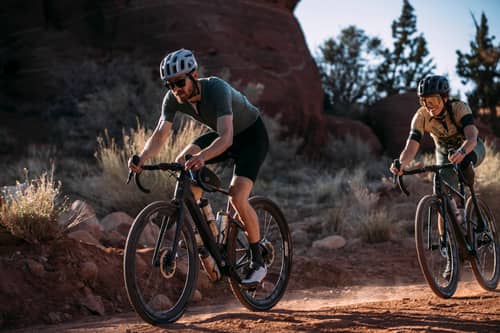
276 246
486 262
159 291
437 255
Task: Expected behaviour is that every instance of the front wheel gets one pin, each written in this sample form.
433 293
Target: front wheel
160 289
486 262
276 246
437 250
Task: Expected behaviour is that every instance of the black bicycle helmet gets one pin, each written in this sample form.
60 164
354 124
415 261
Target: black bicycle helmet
433 84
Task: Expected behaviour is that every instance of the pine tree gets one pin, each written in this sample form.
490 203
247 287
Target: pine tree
408 62
481 66
347 68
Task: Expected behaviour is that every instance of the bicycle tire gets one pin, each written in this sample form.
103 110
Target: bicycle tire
486 261
432 255
277 253
158 296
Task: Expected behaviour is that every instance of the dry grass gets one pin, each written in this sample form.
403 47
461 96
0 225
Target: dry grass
107 190
487 172
30 212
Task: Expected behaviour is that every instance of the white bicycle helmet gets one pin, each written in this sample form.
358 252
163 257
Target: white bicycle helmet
178 62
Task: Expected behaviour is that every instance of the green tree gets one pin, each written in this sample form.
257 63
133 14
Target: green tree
347 69
409 61
481 66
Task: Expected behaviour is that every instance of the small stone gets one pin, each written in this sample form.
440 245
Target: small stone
88 271
197 296
330 243
160 302
35 268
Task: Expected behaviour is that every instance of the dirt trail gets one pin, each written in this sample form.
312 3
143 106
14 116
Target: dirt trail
410 308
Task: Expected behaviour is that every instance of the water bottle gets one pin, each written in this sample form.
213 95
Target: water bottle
222 222
209 215
208 263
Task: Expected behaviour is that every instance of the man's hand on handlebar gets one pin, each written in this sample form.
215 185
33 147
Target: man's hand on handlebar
196 162
135 164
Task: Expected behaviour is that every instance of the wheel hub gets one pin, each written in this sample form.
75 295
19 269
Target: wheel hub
166 270
268 252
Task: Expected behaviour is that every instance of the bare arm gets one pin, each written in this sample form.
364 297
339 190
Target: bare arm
223 142
407 155
153 144
468 145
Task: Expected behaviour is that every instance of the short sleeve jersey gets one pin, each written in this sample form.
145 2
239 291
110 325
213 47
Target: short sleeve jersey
218 99
447 133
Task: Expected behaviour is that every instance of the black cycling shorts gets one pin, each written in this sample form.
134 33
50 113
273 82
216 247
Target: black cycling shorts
249 149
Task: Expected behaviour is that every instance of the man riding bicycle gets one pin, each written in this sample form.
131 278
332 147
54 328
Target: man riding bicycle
451 126
237 131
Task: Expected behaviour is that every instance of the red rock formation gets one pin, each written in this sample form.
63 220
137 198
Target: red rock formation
258 41
339 128
390 119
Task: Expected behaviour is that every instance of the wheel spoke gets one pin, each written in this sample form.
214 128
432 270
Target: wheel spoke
274 238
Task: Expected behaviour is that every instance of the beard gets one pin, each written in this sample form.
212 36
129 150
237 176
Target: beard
183 97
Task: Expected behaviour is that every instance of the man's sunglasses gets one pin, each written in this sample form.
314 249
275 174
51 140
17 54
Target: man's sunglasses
179 83
430 100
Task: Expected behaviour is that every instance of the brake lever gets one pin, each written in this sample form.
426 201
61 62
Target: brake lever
399 179
397 164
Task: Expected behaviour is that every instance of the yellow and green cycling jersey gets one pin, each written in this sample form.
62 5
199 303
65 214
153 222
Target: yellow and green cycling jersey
446 131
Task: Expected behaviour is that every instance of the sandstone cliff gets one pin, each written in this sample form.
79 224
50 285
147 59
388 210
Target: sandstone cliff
257 41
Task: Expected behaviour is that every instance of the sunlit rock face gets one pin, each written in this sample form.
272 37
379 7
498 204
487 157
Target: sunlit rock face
254 41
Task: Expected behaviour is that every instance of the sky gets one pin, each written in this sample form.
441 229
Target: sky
447 25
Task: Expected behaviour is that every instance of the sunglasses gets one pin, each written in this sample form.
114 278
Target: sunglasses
179 83
430 100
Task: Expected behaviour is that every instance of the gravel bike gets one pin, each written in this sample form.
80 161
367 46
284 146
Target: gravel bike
444 240
163 251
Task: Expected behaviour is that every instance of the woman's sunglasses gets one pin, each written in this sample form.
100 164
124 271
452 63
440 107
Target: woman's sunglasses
430 100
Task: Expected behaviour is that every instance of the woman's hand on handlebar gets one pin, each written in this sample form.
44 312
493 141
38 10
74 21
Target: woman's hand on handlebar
456 156
396 168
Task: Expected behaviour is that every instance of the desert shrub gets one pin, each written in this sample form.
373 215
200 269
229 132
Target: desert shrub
107 190
31 211
487 173
348 152
376 226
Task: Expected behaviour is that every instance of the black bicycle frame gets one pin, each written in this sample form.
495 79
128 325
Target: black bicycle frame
446 206
445 201
183 198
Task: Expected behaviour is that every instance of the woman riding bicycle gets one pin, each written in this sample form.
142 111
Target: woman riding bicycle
451 126
237 132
